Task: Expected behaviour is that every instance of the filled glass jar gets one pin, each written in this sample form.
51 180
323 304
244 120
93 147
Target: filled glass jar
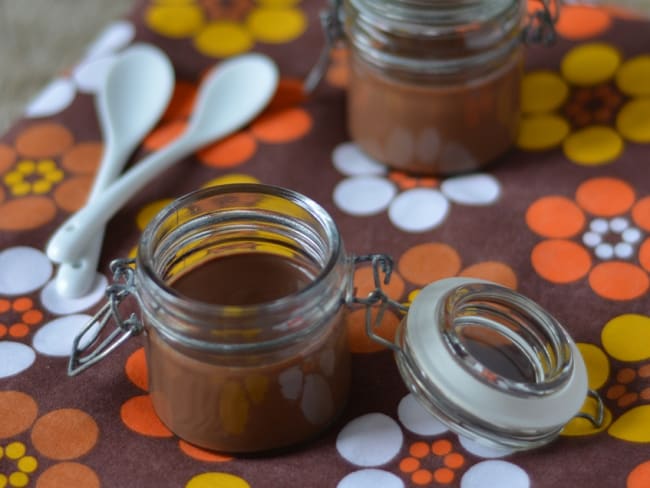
434 85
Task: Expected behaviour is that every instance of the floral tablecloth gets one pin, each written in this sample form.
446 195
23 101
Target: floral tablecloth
563 218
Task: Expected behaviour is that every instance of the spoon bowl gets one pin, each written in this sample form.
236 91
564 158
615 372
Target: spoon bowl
131 99
229 98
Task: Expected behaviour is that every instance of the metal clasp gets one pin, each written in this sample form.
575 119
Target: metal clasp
597 419
86 350
333 29
381 263
540 28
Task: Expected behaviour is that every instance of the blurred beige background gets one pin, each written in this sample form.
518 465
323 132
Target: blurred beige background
39 38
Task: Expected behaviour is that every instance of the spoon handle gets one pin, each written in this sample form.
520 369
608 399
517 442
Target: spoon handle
228 100
70 241
75 279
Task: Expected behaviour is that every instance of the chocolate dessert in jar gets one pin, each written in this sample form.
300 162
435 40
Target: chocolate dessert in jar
243 290
434 86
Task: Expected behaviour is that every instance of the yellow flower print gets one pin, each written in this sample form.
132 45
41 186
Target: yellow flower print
61 435
23 464
625 339
221 29
596 103
598 372
37 177
44 169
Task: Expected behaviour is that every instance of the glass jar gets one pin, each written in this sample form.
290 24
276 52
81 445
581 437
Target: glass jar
243 292
240 290
434 85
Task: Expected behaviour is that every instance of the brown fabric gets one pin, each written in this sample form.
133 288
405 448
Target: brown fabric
499 232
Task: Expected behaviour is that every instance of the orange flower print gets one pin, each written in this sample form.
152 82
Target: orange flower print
337 72
56 440
420 265
221 28
44 170
284 120
404 181
420 451
591 108
17 317
639 476
599 234
578 21
138 413
443 473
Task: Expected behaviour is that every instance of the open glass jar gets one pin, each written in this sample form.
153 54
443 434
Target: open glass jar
243 291
434 85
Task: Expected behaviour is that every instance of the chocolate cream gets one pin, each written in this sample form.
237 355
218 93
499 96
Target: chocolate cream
258 401
421 125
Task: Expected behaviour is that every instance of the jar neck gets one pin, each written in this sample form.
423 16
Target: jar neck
441 37
237 220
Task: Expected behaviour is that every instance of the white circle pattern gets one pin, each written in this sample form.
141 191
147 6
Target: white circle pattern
417 419
56 337
370 440
15 358
60 93
621 238
364 195
366 191
22 270
418 210
618 224
592 239
370 478
599 225
604 251
53 301
481 450
631 235
350 160
491 474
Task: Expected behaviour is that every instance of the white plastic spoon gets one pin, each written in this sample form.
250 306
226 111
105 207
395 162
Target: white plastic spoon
228 99
131 99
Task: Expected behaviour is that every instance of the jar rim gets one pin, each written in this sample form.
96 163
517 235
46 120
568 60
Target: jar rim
146 266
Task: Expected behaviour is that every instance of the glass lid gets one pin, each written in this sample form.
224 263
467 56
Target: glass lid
490 363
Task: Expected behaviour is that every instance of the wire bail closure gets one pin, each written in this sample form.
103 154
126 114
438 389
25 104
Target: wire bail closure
86 350
540 28
381 263
333 30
